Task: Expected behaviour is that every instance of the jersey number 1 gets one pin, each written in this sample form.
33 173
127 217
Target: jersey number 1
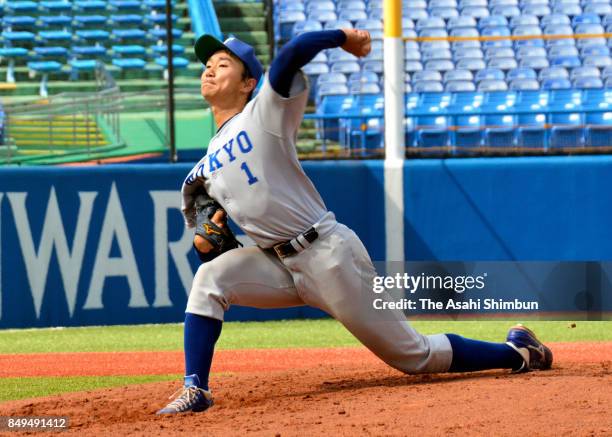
252 179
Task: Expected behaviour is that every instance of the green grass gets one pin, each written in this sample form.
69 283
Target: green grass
280 334
23 388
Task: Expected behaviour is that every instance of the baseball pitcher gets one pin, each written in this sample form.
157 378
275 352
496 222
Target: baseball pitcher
303 256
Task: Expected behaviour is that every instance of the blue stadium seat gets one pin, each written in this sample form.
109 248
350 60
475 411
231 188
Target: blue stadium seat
12 53
345 67
524 84
554 20
440 65
160 50
521 73
598 8
432 130
45 68
475 12
415 14
51 52
488 85
55 36
92 35
458 75
556 84
322 16
587 71
129 63
364 88
598 125
471 64
18 22
524 20
595 50
333 78
457 45
530 52
499 52
352 15
88 51
534 62
493 21
444 13
129 34
21 6
562 51
56 6
426 75
335 102
127 20
510 11
597 61
587 82
430 23
586 19
427 86
461 22
89 20
130 50
454 86
158 34
305 26
338 24
499 119
374 66
531 121
351 4
504 64
567 127
323 5
471 53
315 68
56 21
567 9
412 66
489 74
431 55
125 5
90 6
287 19
537 10
566 61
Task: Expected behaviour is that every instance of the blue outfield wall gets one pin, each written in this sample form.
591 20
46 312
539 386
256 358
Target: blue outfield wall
107 245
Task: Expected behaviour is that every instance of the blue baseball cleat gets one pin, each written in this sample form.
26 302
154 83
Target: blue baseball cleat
192 398
535 354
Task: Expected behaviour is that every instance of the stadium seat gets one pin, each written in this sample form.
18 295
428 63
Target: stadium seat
426 75
534 62
95 35
45 68
129 50
19 22
177 62
492 85
287 19
598 125
531 121
502 63
127 20
524 84
90 6
461 22
50 21
470 64
489 74
597 61
454 86
80 65
588 71
334 78
84 21
322 16
471 53
12 53
499 119
458 75
521 73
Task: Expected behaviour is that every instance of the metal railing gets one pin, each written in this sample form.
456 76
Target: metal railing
87 124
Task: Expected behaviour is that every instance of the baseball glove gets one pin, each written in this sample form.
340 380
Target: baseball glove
220 238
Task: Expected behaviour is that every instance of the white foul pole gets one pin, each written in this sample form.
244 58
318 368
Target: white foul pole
394 130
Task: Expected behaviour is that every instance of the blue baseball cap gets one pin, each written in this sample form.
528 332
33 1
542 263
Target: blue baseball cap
207 45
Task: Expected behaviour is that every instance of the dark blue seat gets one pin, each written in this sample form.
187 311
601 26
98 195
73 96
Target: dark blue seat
499 119
598 129
467 128
56 20
531 120
332 104
432 128
567 127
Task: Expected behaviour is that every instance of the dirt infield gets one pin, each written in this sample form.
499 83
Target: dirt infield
345 391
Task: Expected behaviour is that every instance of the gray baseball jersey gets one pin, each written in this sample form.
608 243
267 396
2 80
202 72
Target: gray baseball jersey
251 169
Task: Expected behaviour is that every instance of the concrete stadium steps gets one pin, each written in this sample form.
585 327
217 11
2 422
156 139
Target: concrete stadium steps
246 21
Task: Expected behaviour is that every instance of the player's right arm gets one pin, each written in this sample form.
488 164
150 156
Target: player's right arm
284 90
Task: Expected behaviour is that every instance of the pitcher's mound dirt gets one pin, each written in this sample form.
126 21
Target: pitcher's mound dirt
359 397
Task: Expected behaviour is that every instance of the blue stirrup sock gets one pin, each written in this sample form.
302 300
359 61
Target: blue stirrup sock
201 334
472 355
